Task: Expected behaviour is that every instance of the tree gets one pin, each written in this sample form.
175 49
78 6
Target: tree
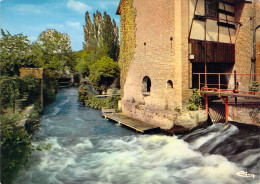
55 42
83 62
103 72
110 36
55 49
15 52
101 36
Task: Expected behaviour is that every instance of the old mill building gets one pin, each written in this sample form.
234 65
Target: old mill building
165 42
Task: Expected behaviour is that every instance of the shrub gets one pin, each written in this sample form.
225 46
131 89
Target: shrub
32 87
10 90
102 73
99 103
15 147
195 101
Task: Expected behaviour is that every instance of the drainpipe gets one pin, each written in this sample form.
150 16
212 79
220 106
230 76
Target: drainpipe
253 58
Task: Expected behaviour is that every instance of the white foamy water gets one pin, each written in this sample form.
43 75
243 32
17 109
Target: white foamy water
90 150
132 159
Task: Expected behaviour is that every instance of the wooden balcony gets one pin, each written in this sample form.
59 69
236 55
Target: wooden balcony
216 52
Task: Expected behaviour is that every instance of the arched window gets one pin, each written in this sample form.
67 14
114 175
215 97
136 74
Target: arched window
146 85
169 84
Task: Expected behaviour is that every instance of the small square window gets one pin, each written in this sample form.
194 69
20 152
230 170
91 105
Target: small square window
211 8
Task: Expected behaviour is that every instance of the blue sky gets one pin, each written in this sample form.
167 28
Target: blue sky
31 17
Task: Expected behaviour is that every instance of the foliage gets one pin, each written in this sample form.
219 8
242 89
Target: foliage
83 62
195 101
102 73
33 121
31 87
15 52
83 94
13 88
15 146
83 67
128 38
10 90
101 36
254 86
54 51
55 42
50 85
99 103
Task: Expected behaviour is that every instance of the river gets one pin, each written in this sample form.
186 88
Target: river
89 149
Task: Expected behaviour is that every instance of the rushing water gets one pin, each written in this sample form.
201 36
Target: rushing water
88 149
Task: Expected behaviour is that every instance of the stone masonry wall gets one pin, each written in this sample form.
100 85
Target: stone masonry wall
154 54
243 43
161 53
37 72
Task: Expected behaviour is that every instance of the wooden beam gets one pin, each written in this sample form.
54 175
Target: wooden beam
226 25
228 3
226 12
199 17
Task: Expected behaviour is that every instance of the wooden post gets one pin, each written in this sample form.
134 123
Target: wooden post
226 110
219 84
207 105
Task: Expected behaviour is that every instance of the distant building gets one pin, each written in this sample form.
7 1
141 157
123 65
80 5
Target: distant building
171 37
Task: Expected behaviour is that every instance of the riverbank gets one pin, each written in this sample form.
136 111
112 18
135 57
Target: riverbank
168 121
16 144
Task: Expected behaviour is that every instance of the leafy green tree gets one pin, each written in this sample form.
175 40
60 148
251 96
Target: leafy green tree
103 72
101 36
54 51
110 36
83 62
15 52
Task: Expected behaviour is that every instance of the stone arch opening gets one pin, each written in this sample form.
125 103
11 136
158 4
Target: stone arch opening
169 84
146 85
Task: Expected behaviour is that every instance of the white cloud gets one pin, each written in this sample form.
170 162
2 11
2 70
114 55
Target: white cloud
78 6
75 25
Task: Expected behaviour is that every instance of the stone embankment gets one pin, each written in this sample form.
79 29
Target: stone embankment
26 113
169 121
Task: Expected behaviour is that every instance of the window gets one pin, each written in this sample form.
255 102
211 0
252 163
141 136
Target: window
211 8
146 86
169 84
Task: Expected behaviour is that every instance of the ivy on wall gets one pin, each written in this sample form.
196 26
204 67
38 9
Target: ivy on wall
128 38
